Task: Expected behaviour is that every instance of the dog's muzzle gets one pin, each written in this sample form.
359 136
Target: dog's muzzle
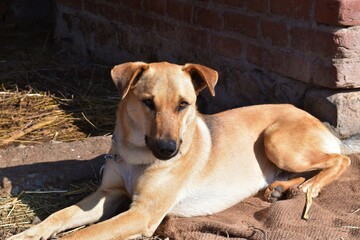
163 149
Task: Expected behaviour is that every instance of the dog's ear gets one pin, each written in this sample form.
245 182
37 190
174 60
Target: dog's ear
202 76
126 75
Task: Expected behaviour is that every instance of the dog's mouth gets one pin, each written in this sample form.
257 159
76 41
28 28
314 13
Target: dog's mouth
163 149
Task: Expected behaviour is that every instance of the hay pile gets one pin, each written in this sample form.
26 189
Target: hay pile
28 117
33 118
48 93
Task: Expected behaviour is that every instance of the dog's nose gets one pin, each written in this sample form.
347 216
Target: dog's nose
166 148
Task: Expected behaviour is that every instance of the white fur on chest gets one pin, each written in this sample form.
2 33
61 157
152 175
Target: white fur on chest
130 174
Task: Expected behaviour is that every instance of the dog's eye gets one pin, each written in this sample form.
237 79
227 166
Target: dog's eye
150 104
183 105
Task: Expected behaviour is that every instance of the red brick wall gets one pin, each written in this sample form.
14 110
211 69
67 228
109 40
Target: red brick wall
265 50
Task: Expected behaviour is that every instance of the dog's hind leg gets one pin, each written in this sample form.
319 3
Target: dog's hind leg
303 146
334 165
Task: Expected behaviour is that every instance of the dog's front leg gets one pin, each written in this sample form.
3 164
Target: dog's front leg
130 224
101 204
137 221
155 194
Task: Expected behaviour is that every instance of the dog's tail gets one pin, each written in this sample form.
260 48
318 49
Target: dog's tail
350 145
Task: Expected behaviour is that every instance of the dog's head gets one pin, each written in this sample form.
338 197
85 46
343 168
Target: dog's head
160 101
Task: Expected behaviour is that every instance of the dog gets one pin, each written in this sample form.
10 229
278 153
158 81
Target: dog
170 159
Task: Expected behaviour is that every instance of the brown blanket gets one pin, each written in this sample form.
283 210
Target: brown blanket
335 214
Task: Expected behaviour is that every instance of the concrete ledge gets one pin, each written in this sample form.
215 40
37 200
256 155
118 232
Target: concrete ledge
51 164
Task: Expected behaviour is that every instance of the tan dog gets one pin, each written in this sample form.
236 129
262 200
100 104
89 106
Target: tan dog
172 160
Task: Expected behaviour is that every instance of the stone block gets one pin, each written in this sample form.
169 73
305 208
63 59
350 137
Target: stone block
347 41
340 108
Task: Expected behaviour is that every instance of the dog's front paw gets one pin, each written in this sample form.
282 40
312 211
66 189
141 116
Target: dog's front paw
34 233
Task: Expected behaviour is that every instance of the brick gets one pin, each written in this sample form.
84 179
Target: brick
348 42
157 6
143 20
340 44
240 23
297 9
337 107
208 18
327 11
256 55
166 29
124 16
124 40
348 38
313 41
187 35
348 72
343 73
98 8
193 36
349 14
104 35
91 7
291 65
276 32
286 63
260 6
109 12
338 12
180 11
135 4
76 5
225 46
232 3
323 74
